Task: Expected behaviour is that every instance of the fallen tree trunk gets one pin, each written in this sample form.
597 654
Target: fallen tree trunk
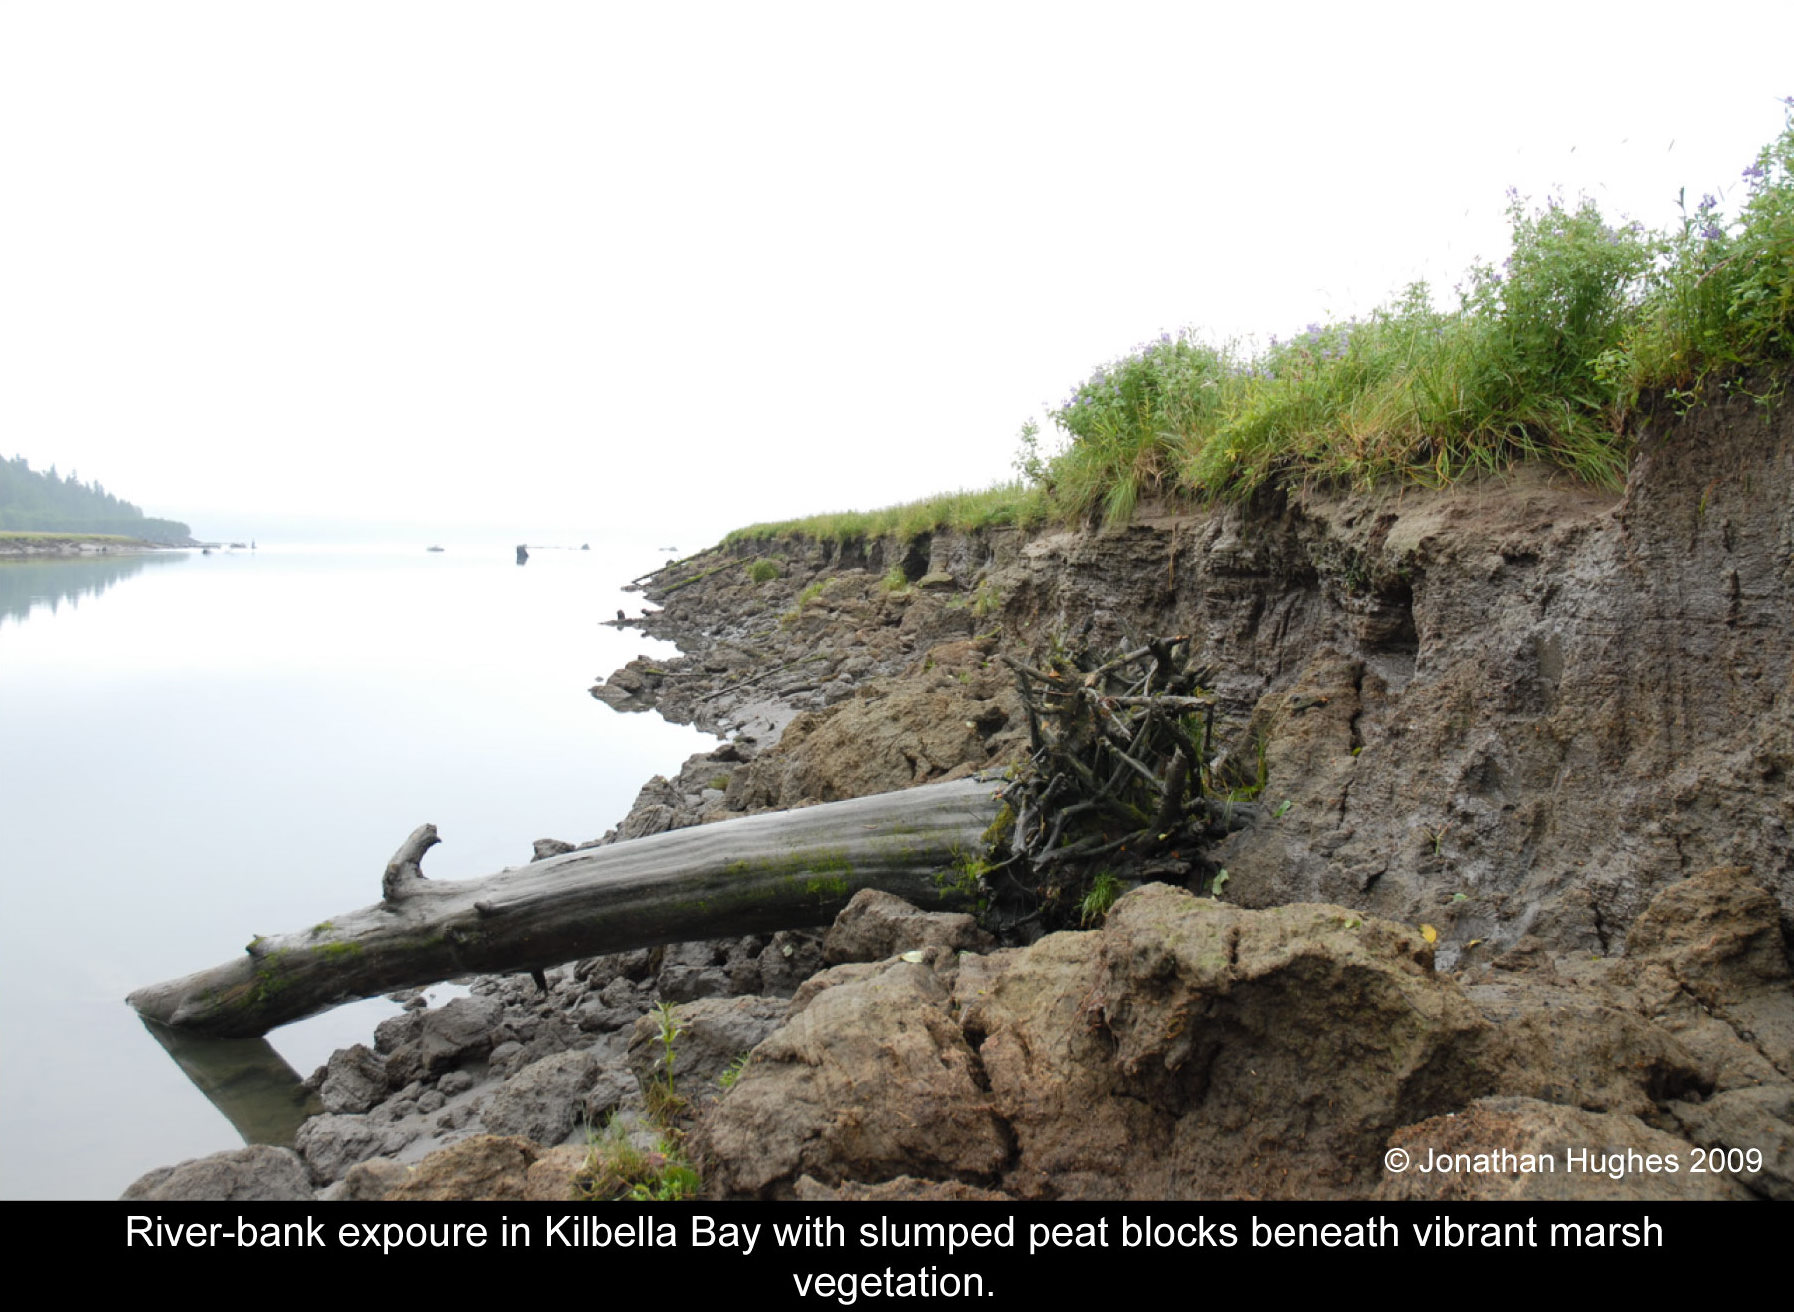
748 876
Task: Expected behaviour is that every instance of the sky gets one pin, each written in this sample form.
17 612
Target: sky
611 271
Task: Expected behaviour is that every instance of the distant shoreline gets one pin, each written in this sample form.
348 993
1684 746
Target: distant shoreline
26 544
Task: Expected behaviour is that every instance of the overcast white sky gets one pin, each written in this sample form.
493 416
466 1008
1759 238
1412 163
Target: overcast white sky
589 270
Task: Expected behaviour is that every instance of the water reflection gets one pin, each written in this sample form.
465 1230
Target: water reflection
245 1079
25 584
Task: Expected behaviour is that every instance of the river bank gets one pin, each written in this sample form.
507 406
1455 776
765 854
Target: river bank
1526 886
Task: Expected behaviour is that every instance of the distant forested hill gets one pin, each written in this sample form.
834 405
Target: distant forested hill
49 503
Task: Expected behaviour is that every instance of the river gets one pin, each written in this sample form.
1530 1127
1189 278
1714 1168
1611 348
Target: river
198 749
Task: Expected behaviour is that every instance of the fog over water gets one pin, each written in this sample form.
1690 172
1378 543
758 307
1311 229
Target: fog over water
199 749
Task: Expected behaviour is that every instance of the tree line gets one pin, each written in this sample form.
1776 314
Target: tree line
46 502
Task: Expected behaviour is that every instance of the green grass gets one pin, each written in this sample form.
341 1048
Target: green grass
1098 898
1543 359
1006 504
617 1170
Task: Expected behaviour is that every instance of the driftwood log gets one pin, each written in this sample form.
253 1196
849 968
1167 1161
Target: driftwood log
748 876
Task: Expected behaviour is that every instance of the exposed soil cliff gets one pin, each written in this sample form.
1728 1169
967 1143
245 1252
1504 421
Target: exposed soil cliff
1515 707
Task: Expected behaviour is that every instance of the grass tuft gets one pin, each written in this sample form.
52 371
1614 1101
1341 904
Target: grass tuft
617 1169
1009 504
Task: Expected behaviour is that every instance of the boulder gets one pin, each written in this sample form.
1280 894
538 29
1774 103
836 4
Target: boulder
871 1081
1743 1121
544 1100
1193 1049
554 1177
256 1174
1715 940
877 925
331 1144
368 1182
1189 1049
354 1079
483 1168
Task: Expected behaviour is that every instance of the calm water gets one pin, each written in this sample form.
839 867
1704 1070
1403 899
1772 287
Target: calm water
198 749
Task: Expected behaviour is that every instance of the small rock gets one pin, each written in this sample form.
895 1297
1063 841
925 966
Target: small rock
354 1079
332 1144
877 925
542 1102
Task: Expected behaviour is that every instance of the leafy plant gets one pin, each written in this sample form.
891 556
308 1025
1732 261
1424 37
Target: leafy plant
728 1078
762 570
1723 294
674 1182
664 1102
1029 462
